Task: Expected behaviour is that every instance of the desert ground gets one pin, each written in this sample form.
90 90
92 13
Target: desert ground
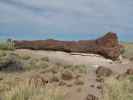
91 61
55 75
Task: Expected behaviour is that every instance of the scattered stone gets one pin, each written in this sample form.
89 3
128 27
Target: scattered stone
120 76
1 78
67 75
103 71
54 69
79 89
99 79
129 71
131 59
79 81
62 83
69 84
99 87
91 97
55 78
92 86
78 76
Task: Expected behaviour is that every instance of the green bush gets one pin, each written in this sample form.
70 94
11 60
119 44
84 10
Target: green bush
7 46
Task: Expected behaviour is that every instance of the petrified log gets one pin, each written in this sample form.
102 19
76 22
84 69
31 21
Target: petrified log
107 46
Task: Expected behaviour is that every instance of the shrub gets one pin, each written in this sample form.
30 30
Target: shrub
11 62
34 63
45 59
128 53
118 89
25 57
28 92
79 68
7 45
2 53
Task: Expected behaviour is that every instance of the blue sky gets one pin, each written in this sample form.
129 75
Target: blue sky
65 19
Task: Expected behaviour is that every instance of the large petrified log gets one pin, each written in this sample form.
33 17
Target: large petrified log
107 46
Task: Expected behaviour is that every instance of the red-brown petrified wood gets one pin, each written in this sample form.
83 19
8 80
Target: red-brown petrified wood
107 46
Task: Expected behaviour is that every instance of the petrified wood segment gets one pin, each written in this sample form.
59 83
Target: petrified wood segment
107 46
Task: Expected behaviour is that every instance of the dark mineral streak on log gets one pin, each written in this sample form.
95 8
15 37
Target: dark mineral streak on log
107 46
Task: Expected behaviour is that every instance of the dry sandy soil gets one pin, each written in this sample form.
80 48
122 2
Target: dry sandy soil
92 61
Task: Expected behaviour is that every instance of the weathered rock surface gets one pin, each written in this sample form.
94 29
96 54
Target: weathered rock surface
67 75
103 71
107 46
91 97
129 71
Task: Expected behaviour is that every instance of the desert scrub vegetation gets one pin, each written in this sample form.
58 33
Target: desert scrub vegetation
118 89
78 68
40 73
25 57
3 53
128 52
45 59
7 45
26 91
11 61
31 63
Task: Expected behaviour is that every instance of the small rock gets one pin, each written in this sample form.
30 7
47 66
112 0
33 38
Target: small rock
55 69
79 81
62 83
78 76
79 89
129 71
67 75
103 71
99 87
91 97
131 59
55 78
69 84
120 76
99 79
92 86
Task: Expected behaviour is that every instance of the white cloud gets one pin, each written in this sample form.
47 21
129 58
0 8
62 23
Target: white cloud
66 16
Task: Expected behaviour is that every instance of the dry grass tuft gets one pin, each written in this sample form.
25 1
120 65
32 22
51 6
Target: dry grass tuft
118 89
18 88
29 92
128 50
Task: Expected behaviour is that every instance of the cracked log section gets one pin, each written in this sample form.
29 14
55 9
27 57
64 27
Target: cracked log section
107 46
